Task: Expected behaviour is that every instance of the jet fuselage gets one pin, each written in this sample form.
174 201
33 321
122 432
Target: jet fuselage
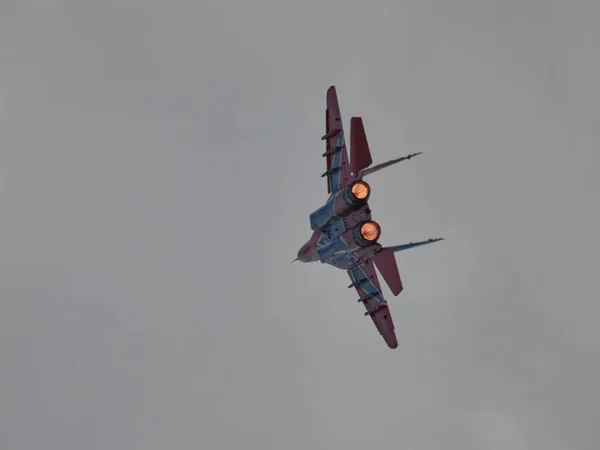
343 232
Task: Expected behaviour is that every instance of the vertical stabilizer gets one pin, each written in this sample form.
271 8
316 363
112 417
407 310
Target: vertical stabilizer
360 155
385 261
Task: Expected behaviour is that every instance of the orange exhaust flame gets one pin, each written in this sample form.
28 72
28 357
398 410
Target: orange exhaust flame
361 190
370 231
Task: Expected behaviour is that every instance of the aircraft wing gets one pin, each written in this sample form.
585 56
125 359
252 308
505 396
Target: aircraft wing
338 167
364 279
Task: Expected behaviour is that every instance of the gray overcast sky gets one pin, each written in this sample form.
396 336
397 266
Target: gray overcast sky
158 162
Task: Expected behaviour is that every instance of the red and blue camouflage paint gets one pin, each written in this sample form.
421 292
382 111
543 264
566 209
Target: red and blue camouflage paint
344 234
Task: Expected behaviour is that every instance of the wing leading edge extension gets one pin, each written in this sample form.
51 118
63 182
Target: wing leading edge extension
364 280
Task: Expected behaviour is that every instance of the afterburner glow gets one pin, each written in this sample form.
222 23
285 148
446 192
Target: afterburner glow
370 231
361 190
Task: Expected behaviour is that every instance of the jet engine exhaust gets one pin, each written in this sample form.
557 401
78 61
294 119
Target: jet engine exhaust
357 194
361 190
341 204
367 233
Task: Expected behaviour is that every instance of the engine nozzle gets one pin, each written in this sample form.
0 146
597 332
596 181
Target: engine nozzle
360 190
370 231
367 233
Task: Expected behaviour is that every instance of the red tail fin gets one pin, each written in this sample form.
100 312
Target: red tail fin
360 155
385 261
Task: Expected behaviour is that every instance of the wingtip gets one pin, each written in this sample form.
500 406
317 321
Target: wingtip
390 339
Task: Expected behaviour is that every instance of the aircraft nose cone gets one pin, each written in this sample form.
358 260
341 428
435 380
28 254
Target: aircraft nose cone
302 253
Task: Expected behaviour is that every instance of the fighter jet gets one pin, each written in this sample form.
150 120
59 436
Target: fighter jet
344 234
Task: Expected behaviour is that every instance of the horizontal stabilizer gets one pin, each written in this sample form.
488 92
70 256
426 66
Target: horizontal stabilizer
360 155
387 266
378 167
399 248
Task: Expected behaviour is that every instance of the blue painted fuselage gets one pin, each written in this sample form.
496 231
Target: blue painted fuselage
335 239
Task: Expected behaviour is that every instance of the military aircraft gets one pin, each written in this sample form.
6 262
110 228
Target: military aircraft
344 234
